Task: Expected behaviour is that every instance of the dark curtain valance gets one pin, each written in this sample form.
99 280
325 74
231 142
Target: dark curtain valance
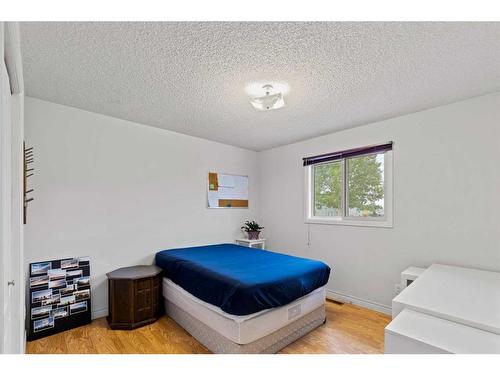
374 149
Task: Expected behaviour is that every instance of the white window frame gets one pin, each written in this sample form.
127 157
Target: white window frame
385 221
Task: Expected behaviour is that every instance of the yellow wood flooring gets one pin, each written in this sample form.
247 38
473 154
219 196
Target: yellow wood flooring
348 329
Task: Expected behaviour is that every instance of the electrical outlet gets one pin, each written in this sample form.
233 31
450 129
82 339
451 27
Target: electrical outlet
397 288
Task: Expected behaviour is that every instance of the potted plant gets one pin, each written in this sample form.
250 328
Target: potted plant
253 229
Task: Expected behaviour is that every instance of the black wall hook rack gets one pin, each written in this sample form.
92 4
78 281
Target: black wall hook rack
27 172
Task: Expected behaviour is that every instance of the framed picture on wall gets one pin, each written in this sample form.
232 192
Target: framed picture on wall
227 190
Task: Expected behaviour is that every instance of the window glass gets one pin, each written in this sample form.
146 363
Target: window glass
328 189
365 186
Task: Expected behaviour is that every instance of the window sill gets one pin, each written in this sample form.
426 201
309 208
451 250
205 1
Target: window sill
356 223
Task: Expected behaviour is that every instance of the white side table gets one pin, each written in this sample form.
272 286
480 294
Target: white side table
256 244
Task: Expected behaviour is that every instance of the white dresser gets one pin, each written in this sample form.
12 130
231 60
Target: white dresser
447 310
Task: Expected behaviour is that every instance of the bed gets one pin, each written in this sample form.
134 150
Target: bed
235 299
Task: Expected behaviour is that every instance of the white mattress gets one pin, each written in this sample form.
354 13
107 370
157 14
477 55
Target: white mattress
242 329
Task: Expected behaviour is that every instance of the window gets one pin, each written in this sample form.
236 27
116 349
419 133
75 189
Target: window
352 187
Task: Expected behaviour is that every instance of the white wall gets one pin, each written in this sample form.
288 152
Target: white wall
120 191
446 200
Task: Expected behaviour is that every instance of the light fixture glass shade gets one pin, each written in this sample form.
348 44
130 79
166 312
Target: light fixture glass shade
258 88
268 102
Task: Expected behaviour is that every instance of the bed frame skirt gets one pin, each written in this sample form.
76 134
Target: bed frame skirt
271 343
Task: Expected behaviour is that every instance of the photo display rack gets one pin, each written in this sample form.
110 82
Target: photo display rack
59 296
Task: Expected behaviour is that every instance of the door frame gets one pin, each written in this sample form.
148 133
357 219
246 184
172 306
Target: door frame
4 183
11 196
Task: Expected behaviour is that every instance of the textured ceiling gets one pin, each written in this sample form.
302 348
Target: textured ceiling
191 77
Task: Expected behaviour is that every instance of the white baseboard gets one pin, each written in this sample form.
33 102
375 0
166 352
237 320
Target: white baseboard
101 313
359 302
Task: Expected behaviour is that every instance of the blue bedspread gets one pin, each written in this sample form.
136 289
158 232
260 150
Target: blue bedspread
242 280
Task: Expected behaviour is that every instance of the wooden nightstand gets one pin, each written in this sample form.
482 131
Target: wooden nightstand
134 295
256 244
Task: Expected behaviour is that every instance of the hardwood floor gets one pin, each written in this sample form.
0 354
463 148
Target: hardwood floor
348 329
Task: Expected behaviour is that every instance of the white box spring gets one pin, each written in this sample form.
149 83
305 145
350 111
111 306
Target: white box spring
242 329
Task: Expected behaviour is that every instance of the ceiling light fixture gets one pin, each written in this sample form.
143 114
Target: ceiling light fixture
271 99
